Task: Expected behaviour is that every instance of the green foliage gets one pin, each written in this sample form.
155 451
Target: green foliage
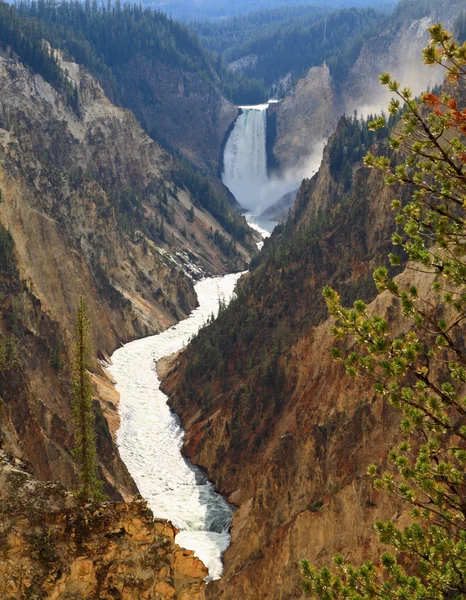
56 359
190 214
421 371
219 10
26 38
7 258
103 39
223 36
292 44
43 546
349 145
83 413
243 90
418 9
315 506
228 247
204 195
8 353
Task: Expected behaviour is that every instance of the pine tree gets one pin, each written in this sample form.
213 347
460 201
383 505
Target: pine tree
83 412
422 370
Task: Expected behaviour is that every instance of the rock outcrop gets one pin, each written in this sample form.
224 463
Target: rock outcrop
53 548
397 52
280 209
311 109
305 117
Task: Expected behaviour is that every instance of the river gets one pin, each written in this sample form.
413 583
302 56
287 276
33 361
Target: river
150 437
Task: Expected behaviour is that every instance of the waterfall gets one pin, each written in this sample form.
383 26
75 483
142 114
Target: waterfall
245 167
245 158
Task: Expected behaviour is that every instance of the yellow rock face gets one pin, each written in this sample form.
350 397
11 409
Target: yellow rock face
56 549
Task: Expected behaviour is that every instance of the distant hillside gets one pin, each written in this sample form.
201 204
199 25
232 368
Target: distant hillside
191 10
278 45
292 50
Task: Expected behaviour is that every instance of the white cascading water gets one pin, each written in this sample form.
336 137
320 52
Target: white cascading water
150 437
245 167
245 158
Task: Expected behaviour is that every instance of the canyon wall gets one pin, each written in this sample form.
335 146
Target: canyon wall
89 207
309 112
183 109
306 116
277 424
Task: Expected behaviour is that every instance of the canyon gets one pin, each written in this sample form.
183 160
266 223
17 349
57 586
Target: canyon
289 438
91 205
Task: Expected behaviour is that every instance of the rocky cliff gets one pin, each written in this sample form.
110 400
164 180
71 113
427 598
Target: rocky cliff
53 548
280 429
89 206
306 116
310 110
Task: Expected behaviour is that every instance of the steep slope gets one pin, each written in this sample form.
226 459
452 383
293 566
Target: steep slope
180 108
310 110
90 207
277 425
305 117
52 548
150 64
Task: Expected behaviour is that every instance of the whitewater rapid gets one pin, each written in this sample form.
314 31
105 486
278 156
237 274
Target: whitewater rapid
150 437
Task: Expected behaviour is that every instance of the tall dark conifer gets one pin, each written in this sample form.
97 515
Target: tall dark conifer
83 413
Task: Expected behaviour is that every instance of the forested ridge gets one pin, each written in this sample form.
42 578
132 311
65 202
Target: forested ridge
214 10
102 39
285 42
224 36
290 41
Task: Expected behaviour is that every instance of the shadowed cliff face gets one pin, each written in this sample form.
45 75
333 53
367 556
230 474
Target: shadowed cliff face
92 210
181 108
272 418
53 548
